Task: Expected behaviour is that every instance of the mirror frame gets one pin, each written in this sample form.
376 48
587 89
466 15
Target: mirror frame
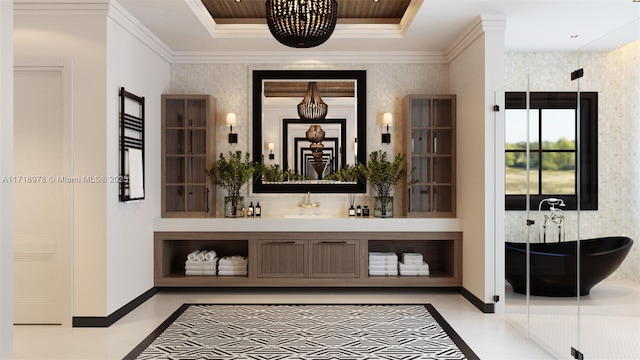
360 76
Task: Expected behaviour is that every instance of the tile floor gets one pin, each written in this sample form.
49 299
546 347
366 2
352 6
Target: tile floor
491 336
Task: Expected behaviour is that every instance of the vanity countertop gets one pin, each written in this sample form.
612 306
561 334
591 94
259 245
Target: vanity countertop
307 224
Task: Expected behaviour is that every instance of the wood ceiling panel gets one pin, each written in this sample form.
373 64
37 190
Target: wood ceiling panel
230 11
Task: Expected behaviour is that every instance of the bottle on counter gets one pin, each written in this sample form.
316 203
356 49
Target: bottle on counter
250 210
358 210
352 211
258 210
365 211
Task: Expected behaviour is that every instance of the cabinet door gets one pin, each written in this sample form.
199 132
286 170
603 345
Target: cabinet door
282 258
335 258
430 148
187 149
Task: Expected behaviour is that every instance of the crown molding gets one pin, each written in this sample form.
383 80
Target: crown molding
66 7
129 23
409 15
482 24
345 31
337 57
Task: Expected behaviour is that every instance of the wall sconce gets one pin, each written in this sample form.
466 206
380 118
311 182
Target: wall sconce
387 119
231 120
271 156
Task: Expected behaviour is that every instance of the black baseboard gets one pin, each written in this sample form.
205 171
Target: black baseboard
484 307
106 321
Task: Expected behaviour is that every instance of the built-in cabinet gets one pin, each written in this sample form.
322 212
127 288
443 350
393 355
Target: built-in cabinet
188 144
430 145
308 258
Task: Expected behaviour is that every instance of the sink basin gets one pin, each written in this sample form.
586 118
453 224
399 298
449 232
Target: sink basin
309 216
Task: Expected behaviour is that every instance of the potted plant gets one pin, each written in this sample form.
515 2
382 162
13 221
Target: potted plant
231 175
383 175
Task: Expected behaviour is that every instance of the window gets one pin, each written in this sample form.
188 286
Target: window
553 149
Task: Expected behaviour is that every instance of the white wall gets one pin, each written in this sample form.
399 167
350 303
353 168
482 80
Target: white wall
141 71
6 189
81 38
614 76
475 74
112 241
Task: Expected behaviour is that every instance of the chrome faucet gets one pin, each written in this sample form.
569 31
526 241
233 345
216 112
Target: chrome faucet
556 217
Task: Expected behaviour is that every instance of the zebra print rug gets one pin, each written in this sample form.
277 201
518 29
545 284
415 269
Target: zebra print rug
274 332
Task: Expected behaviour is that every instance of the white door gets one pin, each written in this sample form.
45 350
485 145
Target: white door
41 202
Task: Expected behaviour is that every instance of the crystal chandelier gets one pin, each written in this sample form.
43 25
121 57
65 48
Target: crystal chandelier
302 23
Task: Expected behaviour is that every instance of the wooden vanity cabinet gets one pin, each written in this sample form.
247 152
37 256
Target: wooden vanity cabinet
282 258
335 258
303 259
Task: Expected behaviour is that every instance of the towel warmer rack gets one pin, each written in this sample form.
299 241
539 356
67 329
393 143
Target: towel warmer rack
131 137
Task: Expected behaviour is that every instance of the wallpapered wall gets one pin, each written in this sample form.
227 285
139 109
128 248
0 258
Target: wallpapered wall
614 76
387 84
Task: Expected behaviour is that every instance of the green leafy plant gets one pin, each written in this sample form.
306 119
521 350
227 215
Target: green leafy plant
349 173
232 174
274 173
383 175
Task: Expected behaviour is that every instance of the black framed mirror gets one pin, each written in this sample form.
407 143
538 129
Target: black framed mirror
276 94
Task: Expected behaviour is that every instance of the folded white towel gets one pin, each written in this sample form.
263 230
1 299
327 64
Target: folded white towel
235 260
200 263
373 255
232 273
412 258
393 266
192 255
201 267
383 263
414 272
210 255
232 268
414 267
199 272
383 272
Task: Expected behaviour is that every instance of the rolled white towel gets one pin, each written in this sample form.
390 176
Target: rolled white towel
232 273
232 268
210 255
235 260
208 272
192 255
200 256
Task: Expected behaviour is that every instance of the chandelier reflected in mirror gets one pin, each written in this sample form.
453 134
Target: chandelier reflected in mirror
302 23
312 108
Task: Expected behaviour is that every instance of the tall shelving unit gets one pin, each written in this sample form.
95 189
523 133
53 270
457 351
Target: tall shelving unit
188 147
430 142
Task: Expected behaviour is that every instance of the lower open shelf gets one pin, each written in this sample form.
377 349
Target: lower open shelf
305 253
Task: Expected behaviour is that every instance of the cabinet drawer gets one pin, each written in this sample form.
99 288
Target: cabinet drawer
335 258
282 258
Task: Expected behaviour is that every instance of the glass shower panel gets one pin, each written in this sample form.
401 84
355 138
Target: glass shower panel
534 230
609 316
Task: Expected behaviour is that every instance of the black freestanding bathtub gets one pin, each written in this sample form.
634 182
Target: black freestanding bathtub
553 265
